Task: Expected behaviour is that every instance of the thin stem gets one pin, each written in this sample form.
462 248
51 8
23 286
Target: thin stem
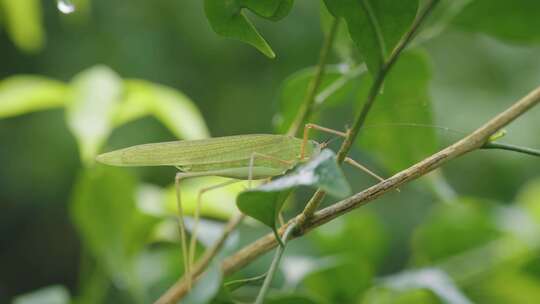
307 105
346 146
180 288
274 266
235 284
509 147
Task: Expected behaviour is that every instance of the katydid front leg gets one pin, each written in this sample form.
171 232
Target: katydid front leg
181 226
348 160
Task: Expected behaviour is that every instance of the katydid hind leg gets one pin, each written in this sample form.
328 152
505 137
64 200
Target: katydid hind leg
182 227
197 214
357 165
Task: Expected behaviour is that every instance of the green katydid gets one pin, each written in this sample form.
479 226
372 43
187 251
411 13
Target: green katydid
241 157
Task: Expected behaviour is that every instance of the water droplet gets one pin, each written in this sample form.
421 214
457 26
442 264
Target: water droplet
65 6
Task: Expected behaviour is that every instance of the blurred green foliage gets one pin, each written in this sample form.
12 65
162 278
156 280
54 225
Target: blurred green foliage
111 75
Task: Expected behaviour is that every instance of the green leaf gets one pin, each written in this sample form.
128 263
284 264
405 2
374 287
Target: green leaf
338 84
104 212
262 205
46 295
398 128
343 45
376 26
451 229
93 100
506 287
24 23
25 93
172 108
516 22
346 236
228 19
348 280
264 202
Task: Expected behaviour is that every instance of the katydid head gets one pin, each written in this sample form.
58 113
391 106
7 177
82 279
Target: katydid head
312 149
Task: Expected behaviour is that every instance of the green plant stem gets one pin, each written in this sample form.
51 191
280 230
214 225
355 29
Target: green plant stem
346 146
235 284
306 109
501 146
274 266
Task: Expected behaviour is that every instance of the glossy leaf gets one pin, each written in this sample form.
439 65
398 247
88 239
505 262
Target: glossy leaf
104 212
518 23
264 203
338 85
95 95
398 128
46 295
228 19
23 20
25 94
375 26
172 108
